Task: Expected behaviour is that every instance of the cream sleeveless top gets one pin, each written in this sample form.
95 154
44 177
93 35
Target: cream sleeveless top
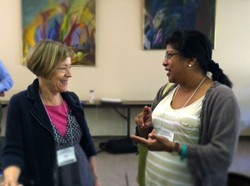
182 125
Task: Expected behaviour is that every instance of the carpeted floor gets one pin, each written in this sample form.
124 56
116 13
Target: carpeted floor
121 169
117 169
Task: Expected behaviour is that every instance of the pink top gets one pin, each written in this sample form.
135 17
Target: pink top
59 116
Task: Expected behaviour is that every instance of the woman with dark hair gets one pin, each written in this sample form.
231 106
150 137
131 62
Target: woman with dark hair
191 129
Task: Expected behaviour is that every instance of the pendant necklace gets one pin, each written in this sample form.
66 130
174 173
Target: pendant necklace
197 88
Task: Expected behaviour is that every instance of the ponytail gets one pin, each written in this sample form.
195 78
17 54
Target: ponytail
217 74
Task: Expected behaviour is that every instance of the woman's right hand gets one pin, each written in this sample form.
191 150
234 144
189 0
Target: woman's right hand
144 118
10 176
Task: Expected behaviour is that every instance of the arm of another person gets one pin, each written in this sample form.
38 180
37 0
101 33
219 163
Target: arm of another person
6 82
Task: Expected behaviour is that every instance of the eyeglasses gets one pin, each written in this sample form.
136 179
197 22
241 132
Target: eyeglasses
170 55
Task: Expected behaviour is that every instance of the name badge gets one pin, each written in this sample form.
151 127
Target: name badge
166 133
66 156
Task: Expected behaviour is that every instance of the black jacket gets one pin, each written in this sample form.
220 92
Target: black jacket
29 140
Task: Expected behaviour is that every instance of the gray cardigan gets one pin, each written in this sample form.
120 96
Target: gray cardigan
209 161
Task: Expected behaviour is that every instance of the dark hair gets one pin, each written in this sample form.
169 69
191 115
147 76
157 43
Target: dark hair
194 44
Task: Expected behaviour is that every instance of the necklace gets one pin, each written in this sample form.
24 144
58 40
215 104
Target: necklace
169 132
197 88
44 105
53 125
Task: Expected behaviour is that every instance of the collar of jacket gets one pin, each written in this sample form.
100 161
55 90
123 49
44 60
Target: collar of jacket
38 110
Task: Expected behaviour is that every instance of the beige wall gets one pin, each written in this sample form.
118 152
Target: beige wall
123 70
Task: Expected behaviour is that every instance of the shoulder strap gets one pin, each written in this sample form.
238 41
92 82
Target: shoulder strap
166 88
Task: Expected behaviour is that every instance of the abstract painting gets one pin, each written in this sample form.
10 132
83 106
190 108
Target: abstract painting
162 17
71 22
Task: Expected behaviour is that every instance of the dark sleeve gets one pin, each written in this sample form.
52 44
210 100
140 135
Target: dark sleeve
210 159
87 140
13 153
158 97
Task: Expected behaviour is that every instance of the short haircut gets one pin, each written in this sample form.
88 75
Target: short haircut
45 56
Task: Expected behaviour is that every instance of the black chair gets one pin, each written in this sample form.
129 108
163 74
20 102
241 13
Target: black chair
236 179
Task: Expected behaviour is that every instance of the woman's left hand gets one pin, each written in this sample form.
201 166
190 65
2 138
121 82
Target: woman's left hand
154 142
98 182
